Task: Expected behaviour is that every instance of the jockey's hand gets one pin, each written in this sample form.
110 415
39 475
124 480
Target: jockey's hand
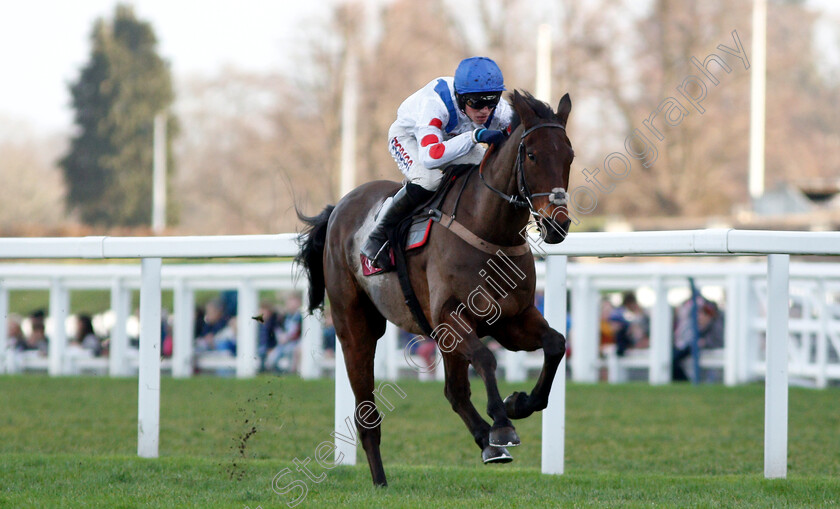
490 136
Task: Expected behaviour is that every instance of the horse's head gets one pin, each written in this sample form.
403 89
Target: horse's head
543 161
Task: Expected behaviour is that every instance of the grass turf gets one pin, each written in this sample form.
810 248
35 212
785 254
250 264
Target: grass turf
71 442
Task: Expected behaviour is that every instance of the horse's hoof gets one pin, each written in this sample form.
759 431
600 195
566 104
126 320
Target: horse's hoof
504 437
492 454
515 404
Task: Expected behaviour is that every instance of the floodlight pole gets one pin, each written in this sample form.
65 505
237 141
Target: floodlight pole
757 98
543 85
159 174
349 115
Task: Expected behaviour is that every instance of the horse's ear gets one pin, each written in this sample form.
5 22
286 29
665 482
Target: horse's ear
564 108
526 114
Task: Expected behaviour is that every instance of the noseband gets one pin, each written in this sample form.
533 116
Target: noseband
524 197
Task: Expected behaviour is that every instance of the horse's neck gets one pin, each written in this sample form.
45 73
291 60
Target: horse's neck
487 214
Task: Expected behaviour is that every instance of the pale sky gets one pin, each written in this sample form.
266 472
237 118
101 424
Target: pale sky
44 43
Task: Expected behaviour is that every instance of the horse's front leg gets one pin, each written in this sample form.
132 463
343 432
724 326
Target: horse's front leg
470 348
529 331
457 390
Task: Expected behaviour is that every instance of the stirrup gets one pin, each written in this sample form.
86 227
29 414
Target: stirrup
373 245
382 258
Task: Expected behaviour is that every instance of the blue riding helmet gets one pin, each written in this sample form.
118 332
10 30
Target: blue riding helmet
478 74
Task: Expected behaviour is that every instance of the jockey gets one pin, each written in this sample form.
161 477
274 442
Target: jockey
438 126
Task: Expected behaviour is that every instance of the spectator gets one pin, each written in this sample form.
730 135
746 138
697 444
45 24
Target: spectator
167 340
229 300
267 338
329 336
605 327
85 337
14 333
424 347
225 339
426 350
709 332
37 340
630 324
284 357
213 321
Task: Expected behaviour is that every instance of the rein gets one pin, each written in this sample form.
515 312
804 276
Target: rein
524 197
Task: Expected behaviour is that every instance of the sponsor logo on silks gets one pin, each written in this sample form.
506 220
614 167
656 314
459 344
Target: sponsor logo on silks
399 153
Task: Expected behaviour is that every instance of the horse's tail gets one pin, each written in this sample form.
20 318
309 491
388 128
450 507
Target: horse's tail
311 254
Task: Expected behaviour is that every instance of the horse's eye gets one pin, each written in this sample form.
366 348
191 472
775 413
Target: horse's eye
531 156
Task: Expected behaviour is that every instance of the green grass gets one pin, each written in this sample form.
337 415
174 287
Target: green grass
71 442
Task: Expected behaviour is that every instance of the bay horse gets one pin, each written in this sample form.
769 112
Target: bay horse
447 277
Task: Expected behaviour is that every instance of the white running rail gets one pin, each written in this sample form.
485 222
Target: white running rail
777 246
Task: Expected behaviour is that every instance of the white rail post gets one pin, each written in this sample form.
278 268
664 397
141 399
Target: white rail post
822 338
345 410
554 416
776 383
59 305
246 330
394 355
382 356
4 332
182 329
148 397
311 342
730 333
747 337
584 340
440 370
515 366
118 344
660 335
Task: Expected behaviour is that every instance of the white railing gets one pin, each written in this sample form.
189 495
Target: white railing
814 330
778 246
182 280
151 251
814 342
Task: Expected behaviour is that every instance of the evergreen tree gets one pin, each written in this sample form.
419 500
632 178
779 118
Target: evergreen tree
122 87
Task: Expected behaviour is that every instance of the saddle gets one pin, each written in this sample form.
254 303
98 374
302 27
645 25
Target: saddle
413 233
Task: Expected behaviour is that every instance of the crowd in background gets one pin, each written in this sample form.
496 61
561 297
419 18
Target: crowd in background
214 333
624 326
627 326
84 339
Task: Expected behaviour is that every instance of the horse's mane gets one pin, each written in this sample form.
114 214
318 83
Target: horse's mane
541 110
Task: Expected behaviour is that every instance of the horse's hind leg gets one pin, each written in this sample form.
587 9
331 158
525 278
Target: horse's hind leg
457 390
358 325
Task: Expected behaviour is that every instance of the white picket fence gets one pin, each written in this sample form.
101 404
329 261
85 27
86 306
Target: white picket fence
814 328
778 246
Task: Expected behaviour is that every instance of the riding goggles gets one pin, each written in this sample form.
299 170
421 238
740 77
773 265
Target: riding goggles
481 100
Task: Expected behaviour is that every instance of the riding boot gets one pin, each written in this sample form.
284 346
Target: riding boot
376 247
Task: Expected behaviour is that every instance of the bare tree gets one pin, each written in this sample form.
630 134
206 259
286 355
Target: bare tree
253 146
229 181
32 185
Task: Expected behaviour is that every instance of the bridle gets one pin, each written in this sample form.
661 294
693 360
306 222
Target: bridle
524 197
